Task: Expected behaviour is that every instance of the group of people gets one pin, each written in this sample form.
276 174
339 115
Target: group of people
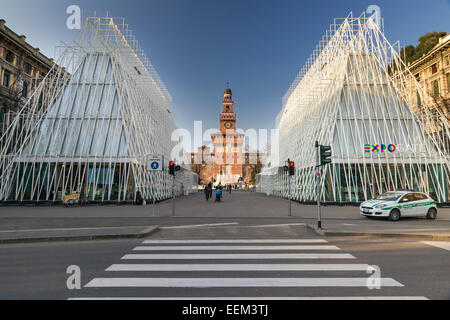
218 190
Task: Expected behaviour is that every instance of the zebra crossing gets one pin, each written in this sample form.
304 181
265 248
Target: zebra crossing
240 269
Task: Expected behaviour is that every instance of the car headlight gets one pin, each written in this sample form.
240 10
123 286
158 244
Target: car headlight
381 206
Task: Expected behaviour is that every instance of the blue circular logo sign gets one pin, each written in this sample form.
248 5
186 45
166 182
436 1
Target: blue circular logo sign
155 165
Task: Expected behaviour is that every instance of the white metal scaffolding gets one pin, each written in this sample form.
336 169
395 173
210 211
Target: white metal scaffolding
91 124
356 95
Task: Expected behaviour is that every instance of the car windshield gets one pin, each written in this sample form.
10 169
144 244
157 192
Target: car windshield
390 196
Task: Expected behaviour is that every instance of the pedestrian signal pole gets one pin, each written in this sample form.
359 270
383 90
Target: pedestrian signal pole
290 168
172 171
323 158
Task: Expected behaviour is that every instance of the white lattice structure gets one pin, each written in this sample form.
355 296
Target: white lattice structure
91 124
351 95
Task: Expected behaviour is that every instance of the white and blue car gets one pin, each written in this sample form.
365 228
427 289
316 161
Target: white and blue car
400 204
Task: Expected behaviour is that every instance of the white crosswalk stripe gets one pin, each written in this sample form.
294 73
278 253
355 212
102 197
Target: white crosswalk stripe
241 241
194 268
236 248
438 244
250 256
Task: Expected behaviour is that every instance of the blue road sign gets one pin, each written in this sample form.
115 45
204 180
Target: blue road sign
155 165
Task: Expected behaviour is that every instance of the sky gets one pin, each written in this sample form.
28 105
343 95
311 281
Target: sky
197 46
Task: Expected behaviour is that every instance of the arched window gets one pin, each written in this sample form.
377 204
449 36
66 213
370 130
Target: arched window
436 89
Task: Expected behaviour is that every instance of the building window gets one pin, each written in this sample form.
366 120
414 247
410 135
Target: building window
9 56
2 112
6 78
434 68
419 99
447 61
448 82
418 77
436 89
27 68
25 89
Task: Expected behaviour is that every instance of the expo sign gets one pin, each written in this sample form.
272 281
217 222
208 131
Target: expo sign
379 148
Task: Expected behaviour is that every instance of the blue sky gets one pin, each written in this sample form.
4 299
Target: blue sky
197 46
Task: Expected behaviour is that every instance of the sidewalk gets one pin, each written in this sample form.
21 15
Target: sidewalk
112 222
75 234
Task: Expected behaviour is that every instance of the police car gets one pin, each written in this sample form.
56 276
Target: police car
400 204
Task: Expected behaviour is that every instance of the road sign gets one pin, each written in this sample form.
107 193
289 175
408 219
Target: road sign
155 163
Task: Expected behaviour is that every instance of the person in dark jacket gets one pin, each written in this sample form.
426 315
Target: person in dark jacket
208 193
139 199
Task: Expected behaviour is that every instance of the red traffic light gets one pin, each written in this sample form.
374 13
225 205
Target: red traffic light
292 164
172 168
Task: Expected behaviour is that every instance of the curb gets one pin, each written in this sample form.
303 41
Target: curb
139 235
435 237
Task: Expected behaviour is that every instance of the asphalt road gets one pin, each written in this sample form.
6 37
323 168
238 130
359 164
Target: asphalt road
408 268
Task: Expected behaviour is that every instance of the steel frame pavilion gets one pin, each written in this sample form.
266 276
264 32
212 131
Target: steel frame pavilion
91 124
356 92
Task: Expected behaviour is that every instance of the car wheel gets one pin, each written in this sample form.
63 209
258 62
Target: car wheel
432 214
395 215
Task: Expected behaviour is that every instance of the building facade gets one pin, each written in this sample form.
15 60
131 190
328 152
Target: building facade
22 68
432 73
226 162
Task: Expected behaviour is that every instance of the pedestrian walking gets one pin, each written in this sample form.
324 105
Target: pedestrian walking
208 193
139 199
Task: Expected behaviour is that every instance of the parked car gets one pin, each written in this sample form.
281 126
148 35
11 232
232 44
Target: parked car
400 204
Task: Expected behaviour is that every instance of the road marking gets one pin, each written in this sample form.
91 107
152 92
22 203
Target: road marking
439 244
236 267
235 248
236 256
273 226
200 226
242 241
235 282
256 299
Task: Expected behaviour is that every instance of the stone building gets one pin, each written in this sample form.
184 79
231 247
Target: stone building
226 163
432 71
22 67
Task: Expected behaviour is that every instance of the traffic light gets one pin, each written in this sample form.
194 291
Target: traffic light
291 168
172 168
325 155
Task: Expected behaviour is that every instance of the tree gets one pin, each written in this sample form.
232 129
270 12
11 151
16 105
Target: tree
409 54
